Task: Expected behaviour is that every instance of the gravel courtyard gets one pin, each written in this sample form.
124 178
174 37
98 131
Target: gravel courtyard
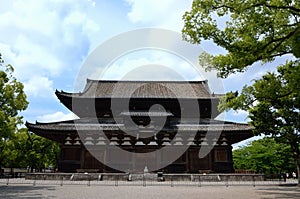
212 192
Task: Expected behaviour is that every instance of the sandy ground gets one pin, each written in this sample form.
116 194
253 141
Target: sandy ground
18 191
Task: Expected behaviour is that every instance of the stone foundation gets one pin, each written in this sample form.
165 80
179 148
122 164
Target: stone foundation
146 176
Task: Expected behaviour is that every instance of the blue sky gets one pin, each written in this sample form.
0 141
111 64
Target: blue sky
48 41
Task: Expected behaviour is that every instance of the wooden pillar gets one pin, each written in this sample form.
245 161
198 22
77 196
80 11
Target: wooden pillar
82 156
187 161
60 158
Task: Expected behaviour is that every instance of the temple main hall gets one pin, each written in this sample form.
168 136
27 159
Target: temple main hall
138 128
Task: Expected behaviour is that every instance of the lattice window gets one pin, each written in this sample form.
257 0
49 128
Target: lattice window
221 155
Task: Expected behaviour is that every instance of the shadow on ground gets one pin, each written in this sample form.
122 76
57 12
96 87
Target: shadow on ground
284 192
214 192
23 191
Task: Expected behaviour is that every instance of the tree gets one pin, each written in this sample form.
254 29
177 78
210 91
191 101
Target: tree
264 156
15 151
255 31
12 101
41 152
27 150
273 103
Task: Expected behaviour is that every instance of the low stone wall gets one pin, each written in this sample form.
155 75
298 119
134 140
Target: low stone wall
243 177
147 177
76 176
214 177
48 176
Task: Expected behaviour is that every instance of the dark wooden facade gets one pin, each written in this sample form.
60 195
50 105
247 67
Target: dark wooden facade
94 107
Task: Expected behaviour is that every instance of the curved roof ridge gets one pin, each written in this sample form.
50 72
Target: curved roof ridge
50 123
143 89
145 81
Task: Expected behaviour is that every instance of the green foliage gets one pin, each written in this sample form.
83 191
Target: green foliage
273 103
19 148
29 150
14 150
12 101
42 152
264 156
255 30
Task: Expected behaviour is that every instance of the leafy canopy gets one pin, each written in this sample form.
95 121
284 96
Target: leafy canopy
27 150
273 103
264 156
12 100
255 30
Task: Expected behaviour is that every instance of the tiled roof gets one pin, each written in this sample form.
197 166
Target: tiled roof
234 132
144 89
146 113
83 124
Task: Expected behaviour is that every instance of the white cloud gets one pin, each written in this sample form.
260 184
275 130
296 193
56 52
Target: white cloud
36 55
39 87
57 116
47 40
166 13
77 24
149 65
92 2
45 36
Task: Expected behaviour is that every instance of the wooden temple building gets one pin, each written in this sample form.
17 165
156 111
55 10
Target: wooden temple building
94 108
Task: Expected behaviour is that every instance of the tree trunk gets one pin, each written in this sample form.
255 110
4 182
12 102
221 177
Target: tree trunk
298 170
296 152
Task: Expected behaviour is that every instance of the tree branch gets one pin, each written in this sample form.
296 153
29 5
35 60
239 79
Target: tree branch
291 25
223 6
292 8
280 40
280 54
